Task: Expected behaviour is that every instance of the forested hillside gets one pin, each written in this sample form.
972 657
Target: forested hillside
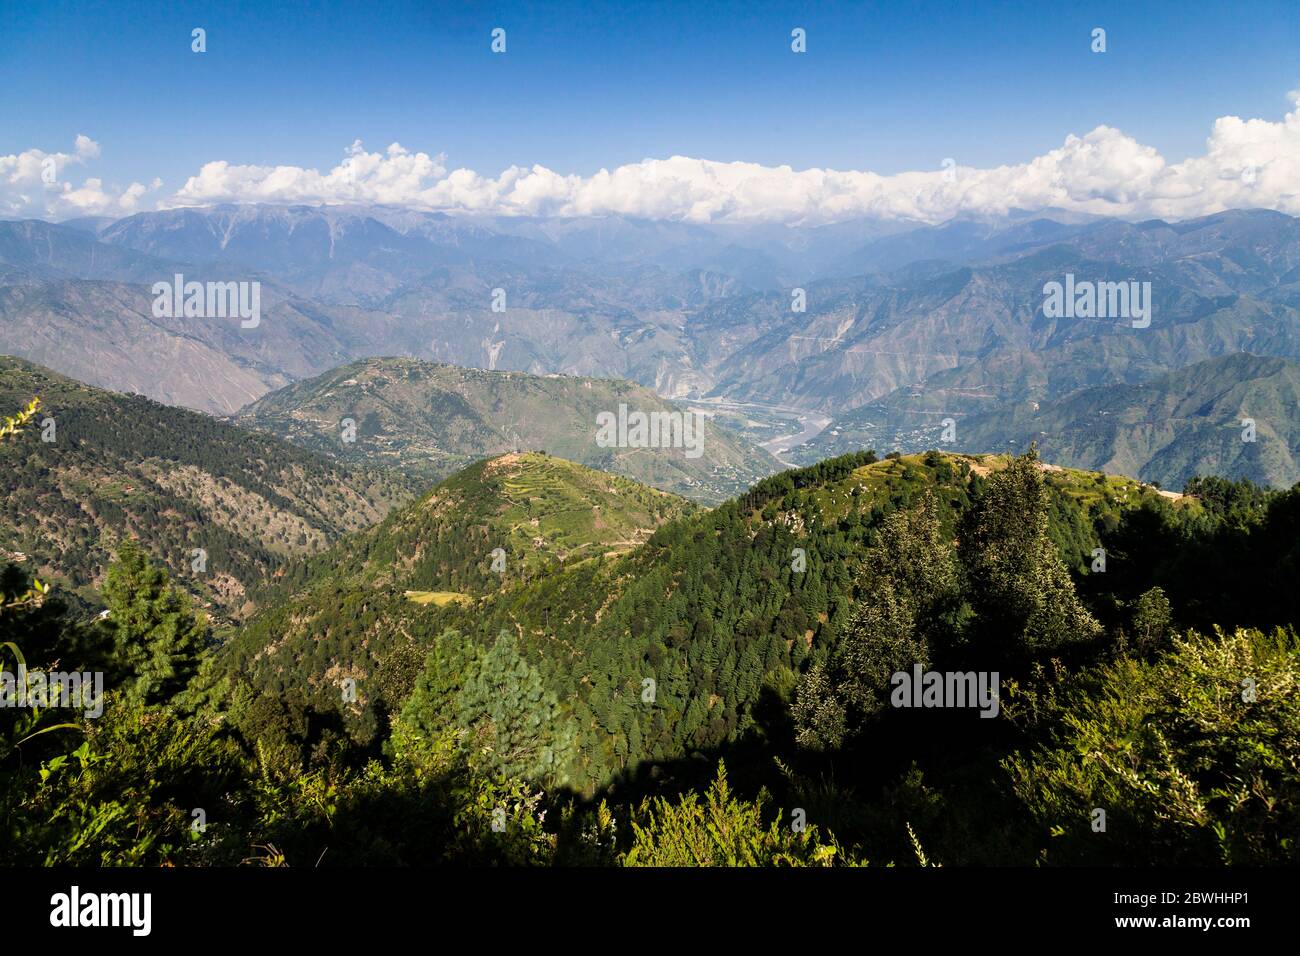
537 663
721 611
97 467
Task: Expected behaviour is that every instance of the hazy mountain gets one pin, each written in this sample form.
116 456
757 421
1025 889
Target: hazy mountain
324 250
432 419
1218 285
960 242
312 246
939 319
105 333
38 251
374 289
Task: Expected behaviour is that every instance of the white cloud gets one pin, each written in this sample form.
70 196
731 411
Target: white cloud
397 176
1246 163
37 184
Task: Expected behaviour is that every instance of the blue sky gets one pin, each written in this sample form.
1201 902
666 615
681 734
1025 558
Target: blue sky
885 87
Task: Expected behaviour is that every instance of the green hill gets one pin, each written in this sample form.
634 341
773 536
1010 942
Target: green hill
496 527
400 693
717 607
541 512
431 419
123 465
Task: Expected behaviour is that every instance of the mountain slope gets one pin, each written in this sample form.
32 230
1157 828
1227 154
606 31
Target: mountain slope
431 419
717 608
952 313
122 465
35 251
982 329
363 608
541 512
1182 424
1166 429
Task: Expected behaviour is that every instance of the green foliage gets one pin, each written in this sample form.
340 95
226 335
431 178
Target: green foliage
158 637
585 672
427 807
432 708
1193 757
1008 598
1152 620
126 795
1233 560
1020 591
13 424
515 726
1236 503
710 608
724 831
124 466
911 596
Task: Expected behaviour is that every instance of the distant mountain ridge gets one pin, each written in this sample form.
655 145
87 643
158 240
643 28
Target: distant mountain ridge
1167 429
895 316
431 419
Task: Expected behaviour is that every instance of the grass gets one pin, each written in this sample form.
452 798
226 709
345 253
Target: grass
439 598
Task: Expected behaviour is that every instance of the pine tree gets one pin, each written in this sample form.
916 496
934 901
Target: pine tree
817 711
431 708
158 639
911 596
517 726
1020 588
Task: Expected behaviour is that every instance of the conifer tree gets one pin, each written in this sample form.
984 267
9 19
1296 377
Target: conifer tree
1020 588
518 727
431 708
158 639
911 596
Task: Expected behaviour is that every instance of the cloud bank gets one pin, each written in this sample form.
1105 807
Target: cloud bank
37 184
1246 164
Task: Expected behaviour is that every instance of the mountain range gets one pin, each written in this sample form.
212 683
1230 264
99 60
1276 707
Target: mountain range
605 298
899 325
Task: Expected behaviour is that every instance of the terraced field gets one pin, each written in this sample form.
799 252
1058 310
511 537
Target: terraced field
571 511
